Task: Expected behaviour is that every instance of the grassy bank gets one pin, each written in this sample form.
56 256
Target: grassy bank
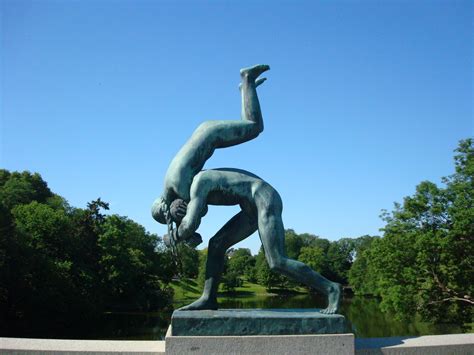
190 289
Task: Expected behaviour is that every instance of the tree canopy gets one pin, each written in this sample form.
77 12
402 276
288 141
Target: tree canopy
424 262
63 264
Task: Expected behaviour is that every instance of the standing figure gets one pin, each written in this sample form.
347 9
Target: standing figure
261 208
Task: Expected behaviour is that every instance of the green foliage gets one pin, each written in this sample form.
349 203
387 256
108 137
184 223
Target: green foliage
239 265
189 258
424 262
241 262
332 259
360 273
231 280
61 264
314 257
22 188
202 268
340 257
266 277
130 265
293 244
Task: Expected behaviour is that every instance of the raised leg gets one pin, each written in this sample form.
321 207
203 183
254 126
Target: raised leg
211 135
227 133
236 229
272 235
250 104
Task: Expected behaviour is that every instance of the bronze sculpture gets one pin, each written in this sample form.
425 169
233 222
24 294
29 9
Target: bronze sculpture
188 191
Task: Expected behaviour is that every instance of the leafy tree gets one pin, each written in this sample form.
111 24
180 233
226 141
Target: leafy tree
44 263
60 264
317 242
202 267
22 188
131 265
189 258
361 273
268 278
314 257
340 256
293 243
230 280
241 262
88 224
424 261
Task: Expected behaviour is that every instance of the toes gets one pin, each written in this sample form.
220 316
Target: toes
260 81
329 310
254 71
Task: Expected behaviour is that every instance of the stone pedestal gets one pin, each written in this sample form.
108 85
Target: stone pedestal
256 322
324 344
252 331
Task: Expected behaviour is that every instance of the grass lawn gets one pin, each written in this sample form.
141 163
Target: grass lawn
185 288
190 289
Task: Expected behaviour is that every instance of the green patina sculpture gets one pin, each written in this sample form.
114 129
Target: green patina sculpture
188 190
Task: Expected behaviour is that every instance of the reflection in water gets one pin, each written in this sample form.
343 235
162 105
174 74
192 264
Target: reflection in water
363 315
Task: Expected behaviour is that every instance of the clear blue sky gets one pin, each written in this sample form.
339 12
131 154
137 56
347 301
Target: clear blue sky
364 99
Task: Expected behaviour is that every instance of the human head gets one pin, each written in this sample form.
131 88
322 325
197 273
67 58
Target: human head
158 210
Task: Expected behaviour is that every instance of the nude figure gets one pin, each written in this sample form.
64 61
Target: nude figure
208 137
261 208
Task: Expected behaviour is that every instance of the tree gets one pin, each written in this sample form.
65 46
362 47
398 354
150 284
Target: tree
314 257
266 277
293 243
202 267
131 265
189 258
361 272
60 265
340 256
424 262
241 262
22 188
44 264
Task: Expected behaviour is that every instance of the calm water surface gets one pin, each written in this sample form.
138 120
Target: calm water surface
364 316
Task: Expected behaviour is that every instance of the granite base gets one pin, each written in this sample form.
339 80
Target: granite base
323 344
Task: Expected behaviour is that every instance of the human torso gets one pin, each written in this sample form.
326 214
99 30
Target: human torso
228 186
189 161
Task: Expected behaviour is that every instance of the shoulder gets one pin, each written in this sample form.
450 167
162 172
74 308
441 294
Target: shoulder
202 181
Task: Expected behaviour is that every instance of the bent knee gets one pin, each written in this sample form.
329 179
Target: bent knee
267 199
277 263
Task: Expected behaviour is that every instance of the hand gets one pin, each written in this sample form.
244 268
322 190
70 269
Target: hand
194 240
178 210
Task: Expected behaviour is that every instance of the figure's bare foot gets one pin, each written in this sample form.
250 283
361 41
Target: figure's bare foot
334 299
201 303
252 73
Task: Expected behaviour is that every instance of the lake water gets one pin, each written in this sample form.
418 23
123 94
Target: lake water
364 316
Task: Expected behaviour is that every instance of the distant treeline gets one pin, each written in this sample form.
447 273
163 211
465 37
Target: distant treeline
65 264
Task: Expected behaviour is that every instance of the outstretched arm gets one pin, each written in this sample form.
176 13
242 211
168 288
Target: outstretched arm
190 223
